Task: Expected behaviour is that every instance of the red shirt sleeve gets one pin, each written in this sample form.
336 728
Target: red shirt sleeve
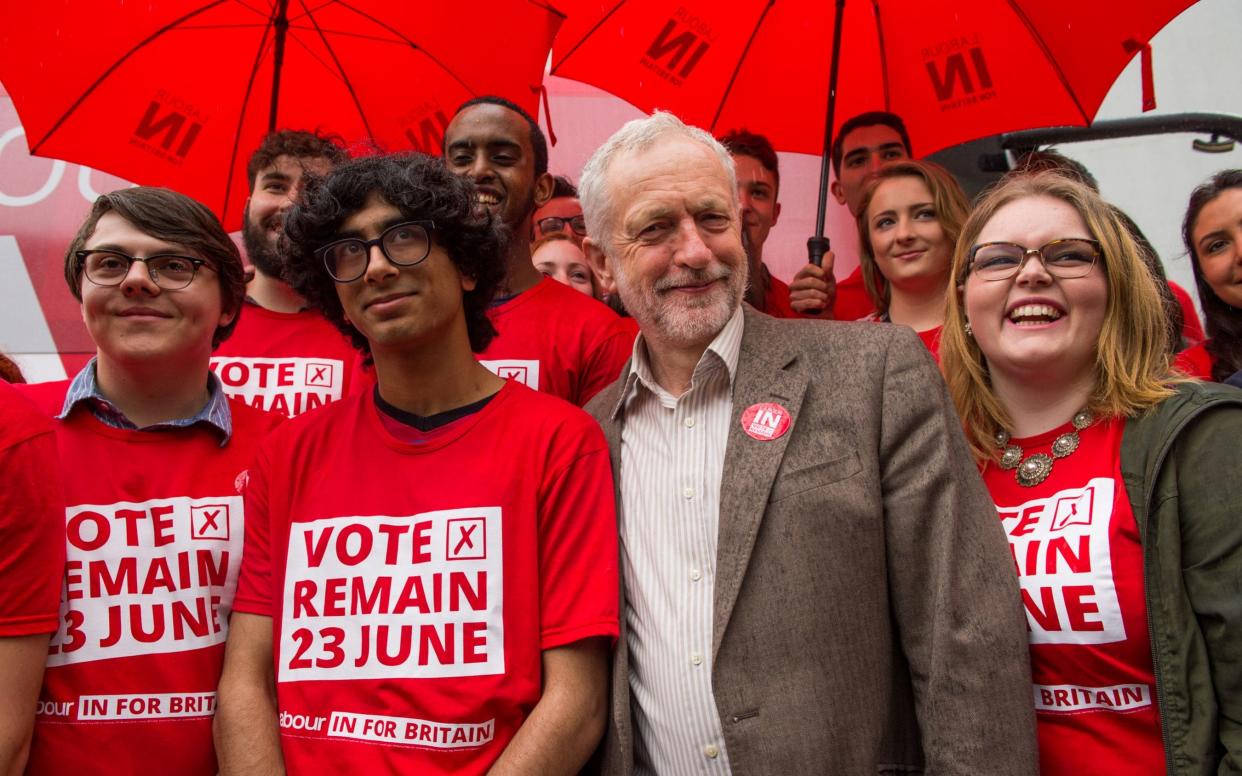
578 555
607 358
32 521
255 594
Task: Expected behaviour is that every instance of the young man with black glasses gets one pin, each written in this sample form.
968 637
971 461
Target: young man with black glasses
154 457
430 579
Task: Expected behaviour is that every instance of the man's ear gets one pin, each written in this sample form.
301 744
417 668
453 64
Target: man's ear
837 192
598 261
544 186
776 212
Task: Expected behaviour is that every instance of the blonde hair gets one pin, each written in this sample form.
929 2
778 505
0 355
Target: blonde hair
948 200
1132 363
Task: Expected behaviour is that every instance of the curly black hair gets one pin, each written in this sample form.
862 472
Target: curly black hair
422 188
1222 320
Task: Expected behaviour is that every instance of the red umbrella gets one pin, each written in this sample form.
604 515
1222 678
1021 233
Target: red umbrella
178 93
953 71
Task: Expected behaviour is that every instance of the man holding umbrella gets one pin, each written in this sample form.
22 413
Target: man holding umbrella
866 142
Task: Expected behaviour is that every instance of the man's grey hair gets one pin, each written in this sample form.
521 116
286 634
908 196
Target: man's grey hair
637 135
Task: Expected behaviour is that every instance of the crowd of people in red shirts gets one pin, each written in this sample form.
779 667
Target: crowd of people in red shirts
342 510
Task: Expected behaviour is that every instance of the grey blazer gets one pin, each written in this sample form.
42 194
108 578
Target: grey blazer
867 615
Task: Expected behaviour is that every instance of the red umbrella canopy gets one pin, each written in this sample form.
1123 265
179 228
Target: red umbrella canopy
953 71
178 93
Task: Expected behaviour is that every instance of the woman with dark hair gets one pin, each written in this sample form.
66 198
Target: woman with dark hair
1212 232
908 220
1114 477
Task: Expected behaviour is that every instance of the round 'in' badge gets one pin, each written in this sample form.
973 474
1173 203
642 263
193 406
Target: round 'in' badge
765 422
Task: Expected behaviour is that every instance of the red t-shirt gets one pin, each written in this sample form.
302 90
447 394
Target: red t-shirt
1076 549
32 562
931 339
1195 361
558 340
1192 329
286 363
413 586
853 302
776 300
154 523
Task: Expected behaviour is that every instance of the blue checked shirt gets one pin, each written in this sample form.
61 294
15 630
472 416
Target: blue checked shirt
85 388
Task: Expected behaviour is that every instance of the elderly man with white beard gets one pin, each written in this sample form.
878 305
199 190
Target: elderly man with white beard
814 577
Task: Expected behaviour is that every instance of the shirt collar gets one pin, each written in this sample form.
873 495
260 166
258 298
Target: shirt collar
723 350
85 388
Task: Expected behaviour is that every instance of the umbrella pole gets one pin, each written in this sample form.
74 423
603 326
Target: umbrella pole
278 60
818 245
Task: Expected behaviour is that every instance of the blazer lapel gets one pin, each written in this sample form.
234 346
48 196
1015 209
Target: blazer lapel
767 371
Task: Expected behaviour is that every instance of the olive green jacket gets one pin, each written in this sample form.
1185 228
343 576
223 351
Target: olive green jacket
1182 466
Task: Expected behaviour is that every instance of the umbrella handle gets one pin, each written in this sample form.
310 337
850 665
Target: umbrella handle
816 247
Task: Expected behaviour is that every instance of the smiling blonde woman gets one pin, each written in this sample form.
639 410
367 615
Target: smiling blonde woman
1115 482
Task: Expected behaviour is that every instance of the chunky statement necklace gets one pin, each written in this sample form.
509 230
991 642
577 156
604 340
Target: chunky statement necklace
1035 468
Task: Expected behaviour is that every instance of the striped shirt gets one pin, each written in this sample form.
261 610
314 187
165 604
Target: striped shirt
85 388
672 459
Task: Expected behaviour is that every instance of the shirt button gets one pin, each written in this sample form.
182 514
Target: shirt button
688 492
695 575
697 659
712 751
689 422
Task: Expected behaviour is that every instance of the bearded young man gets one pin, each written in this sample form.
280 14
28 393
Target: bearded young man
283 357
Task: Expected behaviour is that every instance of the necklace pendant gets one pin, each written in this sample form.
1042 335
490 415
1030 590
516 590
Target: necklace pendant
1011 456
1034 470
1065 444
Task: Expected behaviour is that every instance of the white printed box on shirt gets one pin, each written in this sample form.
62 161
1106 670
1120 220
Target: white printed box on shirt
289 386
148 577
1061 550
391 597
525 372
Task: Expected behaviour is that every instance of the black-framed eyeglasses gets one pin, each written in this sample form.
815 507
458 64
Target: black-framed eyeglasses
169 271
556 224
1068 258
404 245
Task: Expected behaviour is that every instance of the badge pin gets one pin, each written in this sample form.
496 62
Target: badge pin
766 421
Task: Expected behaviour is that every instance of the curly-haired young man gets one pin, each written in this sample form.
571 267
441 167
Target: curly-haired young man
433 565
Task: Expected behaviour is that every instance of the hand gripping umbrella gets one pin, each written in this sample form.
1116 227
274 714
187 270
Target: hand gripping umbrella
178 93
953 71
